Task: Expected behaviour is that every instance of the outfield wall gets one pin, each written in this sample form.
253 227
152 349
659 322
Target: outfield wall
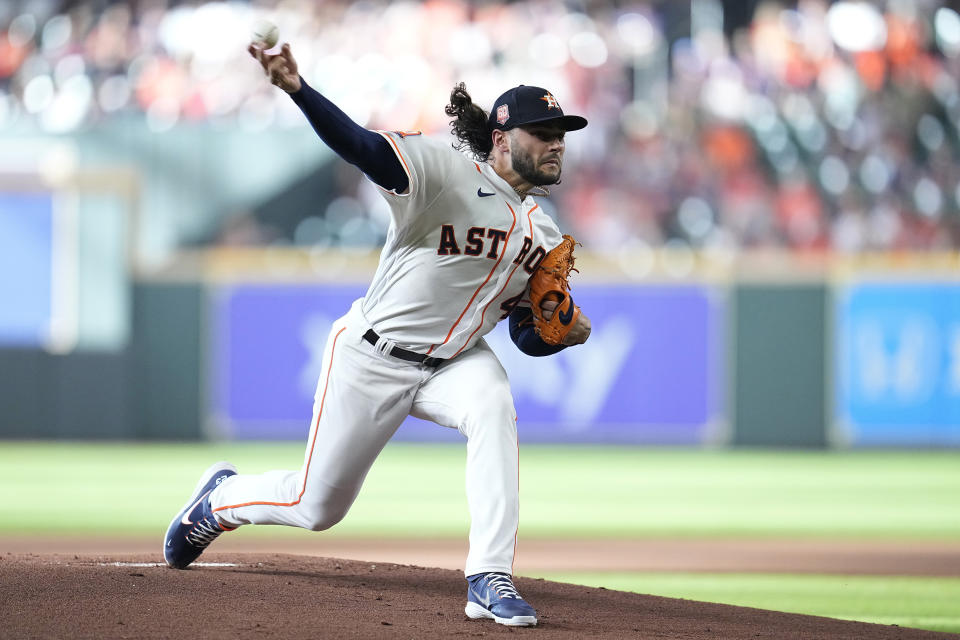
649 372
764 353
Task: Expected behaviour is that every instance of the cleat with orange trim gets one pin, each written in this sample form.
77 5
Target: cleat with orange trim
195 527
492 595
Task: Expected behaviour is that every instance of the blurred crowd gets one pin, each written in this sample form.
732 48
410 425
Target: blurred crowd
813 126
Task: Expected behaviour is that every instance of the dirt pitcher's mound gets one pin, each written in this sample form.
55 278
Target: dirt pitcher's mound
234 596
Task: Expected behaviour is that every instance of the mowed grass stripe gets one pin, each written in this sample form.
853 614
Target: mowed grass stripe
566 491
926 603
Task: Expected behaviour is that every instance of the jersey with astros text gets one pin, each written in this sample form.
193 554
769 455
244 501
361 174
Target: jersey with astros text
459 251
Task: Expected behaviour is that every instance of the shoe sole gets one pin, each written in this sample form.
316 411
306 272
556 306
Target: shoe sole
213 470
476 612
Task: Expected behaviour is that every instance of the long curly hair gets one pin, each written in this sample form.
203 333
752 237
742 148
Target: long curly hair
470 124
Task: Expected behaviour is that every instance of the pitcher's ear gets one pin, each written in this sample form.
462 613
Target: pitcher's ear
500 141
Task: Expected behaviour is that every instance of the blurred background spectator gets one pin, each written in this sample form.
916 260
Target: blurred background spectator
809 125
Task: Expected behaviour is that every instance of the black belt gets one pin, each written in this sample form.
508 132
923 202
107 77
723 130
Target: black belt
403 354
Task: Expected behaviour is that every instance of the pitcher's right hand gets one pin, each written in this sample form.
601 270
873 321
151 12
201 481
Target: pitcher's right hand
281 68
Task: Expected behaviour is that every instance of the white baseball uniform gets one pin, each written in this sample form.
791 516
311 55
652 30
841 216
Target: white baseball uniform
458 255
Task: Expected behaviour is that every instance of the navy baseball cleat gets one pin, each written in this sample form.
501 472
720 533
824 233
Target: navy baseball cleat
492 595
195 527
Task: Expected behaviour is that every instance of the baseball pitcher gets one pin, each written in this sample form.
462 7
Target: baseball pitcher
467 246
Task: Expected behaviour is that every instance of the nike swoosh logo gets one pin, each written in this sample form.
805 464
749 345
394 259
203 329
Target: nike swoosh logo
565 318
185 519
483 194
485 601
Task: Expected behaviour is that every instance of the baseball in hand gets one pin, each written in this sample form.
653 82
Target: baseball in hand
265 33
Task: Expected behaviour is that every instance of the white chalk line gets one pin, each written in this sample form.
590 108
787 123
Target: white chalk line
161 564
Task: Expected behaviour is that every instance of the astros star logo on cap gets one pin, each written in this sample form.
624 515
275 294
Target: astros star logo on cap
551 101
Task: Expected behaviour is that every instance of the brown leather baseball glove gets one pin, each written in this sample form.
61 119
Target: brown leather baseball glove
549 282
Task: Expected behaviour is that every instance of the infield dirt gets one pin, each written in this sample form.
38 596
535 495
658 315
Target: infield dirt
288 596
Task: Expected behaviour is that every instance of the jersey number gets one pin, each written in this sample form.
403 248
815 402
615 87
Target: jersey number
508 305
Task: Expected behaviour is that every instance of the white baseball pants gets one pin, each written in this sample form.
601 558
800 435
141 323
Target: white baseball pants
362 397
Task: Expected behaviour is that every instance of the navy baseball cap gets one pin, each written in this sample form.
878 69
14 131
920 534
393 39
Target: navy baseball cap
527 105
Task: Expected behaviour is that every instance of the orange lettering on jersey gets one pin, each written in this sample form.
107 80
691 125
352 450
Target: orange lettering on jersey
404 134
535 259
477 292
448 242
497 235
524 249
474 241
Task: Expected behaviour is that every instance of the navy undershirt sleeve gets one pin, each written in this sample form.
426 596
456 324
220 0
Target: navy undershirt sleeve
366 149
525 336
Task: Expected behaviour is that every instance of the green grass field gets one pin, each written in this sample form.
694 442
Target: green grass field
925 603
566 492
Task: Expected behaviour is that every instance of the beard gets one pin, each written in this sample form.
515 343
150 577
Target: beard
523 165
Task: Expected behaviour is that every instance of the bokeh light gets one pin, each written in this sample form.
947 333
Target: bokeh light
692 117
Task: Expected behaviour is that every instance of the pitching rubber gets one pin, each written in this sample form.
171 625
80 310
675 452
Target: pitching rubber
476 611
